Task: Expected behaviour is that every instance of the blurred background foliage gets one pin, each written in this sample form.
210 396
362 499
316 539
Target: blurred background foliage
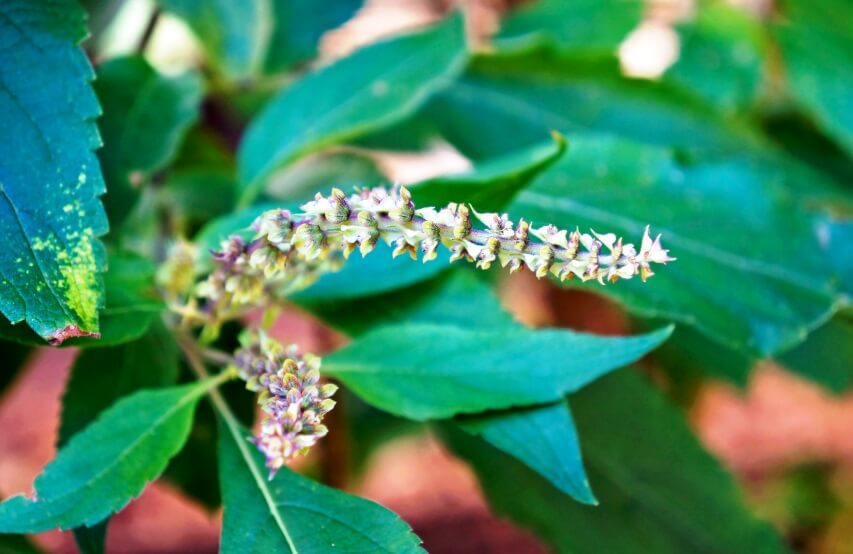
726 125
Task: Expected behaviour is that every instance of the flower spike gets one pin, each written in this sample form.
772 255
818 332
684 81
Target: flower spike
290 251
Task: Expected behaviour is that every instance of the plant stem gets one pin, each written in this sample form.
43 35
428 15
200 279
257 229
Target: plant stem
193 355
148 32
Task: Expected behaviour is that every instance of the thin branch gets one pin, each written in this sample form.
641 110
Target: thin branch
148 32
193 357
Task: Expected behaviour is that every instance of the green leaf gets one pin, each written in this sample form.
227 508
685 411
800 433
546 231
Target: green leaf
109 463
299 182
92 540
721 56
50 181
14 355
455 298
17 544
826 357
299 25
722 220
100 376
492 184
585 25
544 438
506 101
132 305
233 33
294 514
432 371
816 42
198 194
146 116
375 87
658 488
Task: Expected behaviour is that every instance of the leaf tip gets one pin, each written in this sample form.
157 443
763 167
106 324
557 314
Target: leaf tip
68 332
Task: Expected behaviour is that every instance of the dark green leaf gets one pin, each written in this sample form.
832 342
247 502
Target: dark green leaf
658 489
721 56
584 25
826 357
198 194
17 544
431 371
146 115
722 220
107 464
492 184
375 87
100 376
132 304
816 42
298 26
506 101
50 180
233 33
321 172
291 513
454 298
13 355
92 540
544 438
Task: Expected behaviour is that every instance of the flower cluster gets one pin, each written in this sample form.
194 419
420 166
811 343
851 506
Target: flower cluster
291 398
291 250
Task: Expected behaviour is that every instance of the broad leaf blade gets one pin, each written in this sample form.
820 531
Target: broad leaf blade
146 116
721 220
372 88
544 438
50 181
429 371
107 464
658 489
291 513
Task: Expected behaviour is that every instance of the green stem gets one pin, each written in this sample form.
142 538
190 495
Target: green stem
193 356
